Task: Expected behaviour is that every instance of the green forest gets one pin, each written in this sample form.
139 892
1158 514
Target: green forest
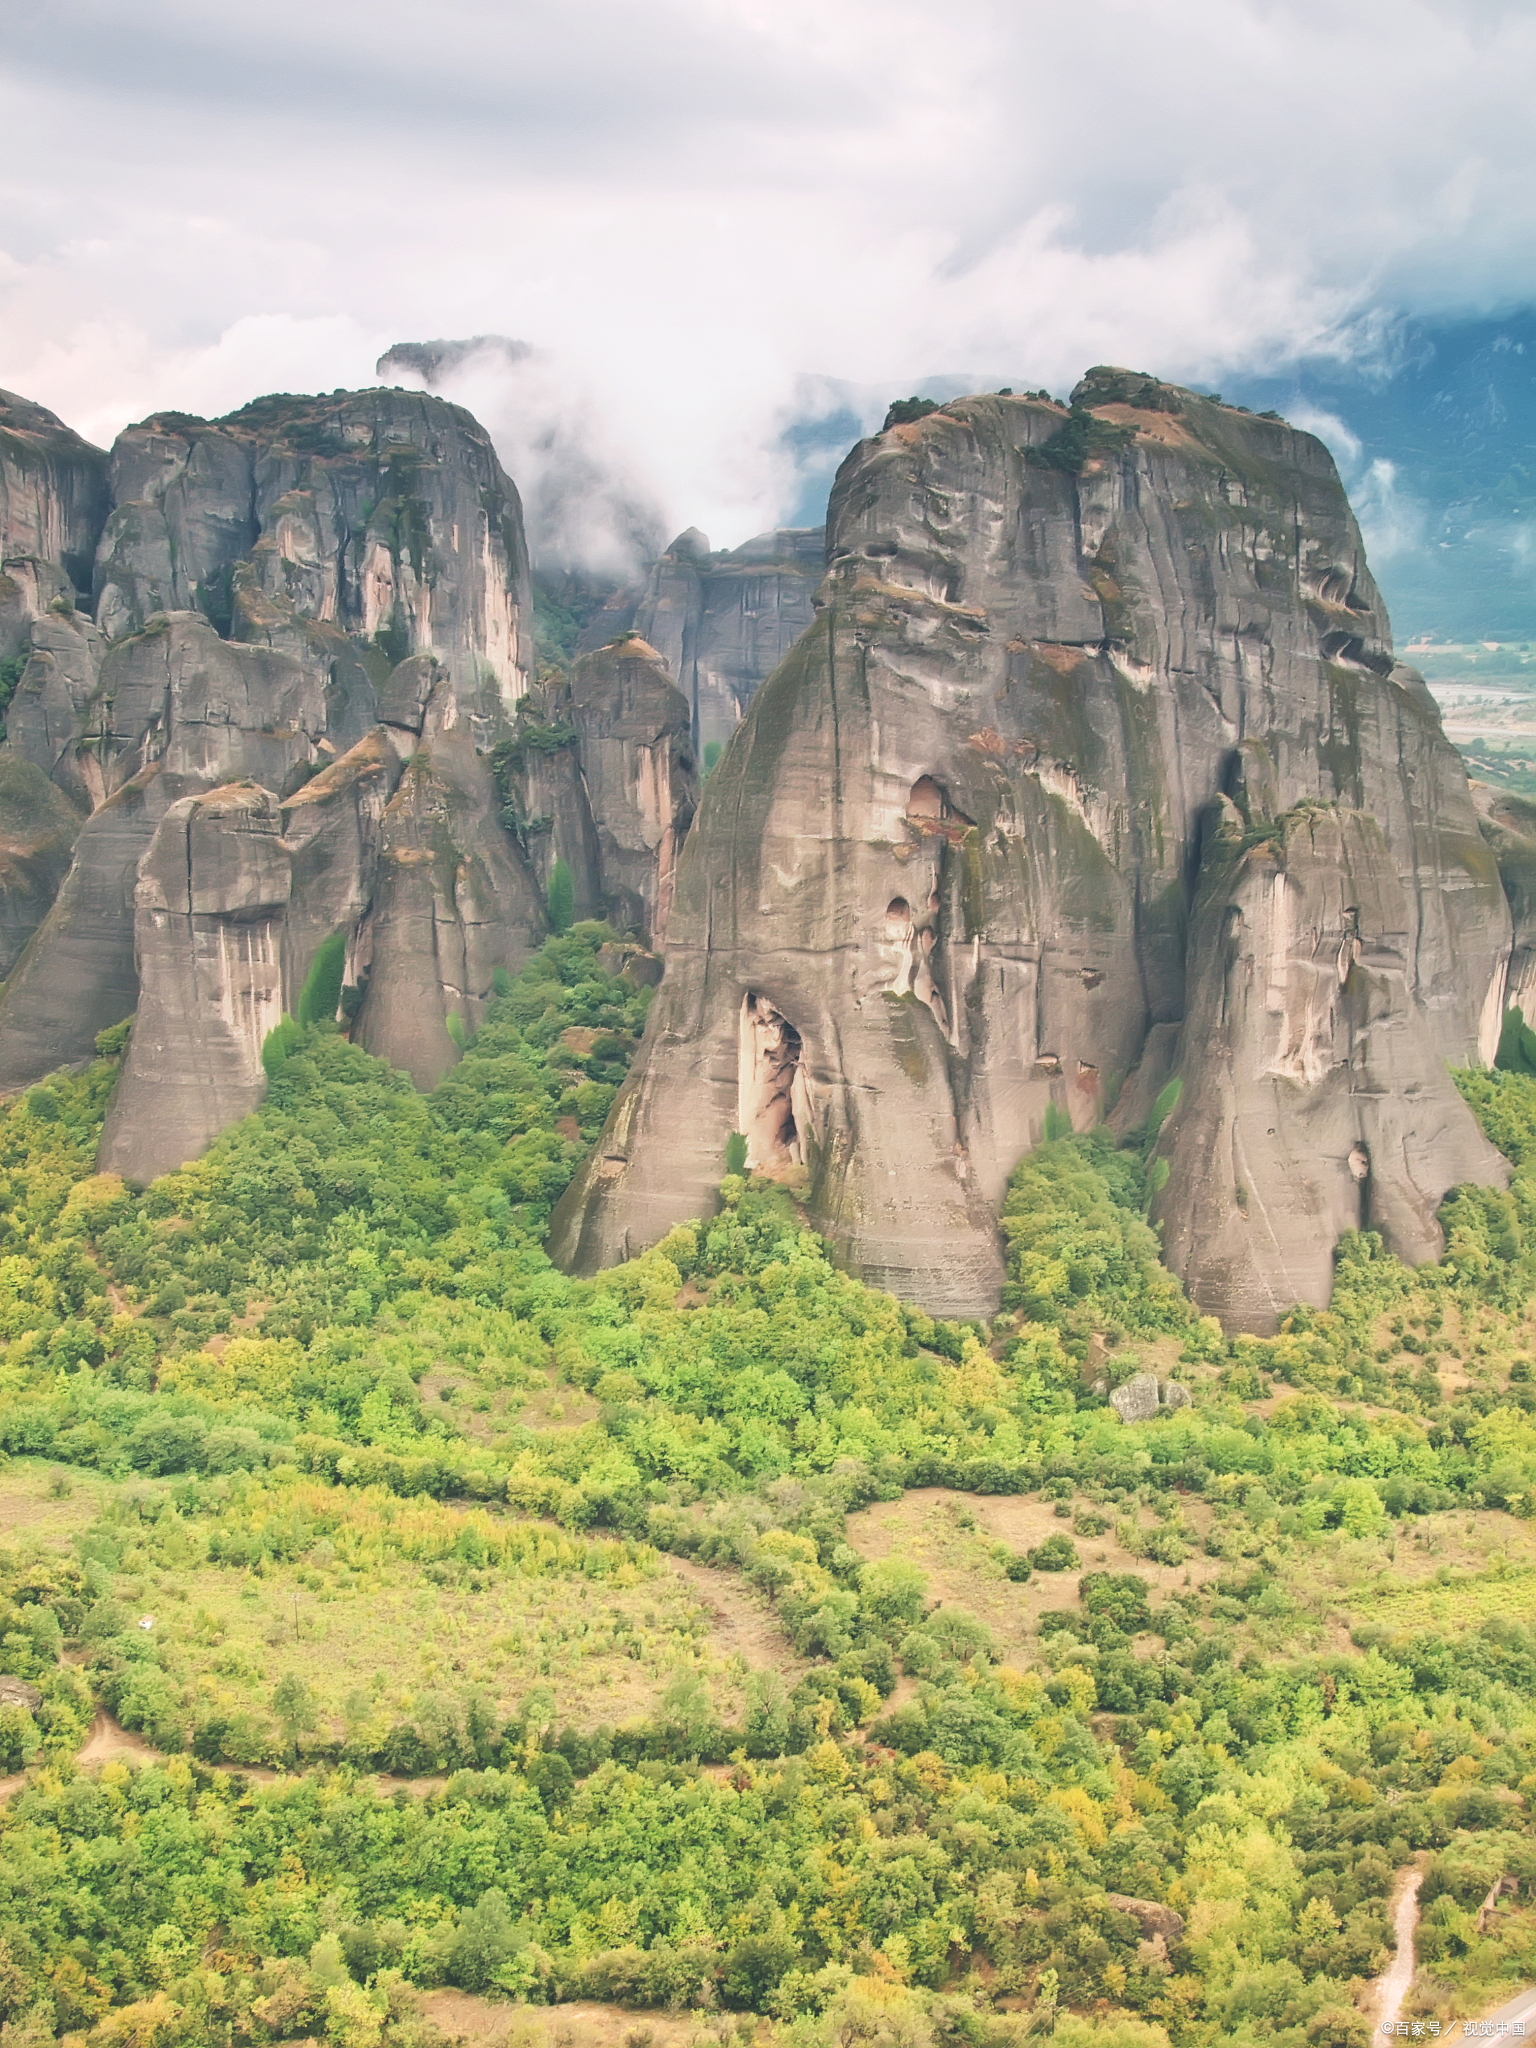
382 1611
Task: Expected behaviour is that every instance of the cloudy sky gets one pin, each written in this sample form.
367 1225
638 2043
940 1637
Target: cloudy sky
709 215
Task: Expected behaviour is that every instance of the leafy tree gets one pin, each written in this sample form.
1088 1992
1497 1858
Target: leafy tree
293 1702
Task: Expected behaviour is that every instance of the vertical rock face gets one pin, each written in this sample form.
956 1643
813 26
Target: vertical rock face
77 975
602 776
641 787
721 622
53 500
453 902
1315 1099
53 493
211 897
38 829
958 864
291 604
379 513
1509 826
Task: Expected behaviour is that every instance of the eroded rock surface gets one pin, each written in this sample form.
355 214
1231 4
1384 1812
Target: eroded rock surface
53 495
721 622
292 604
452 903
211 899
383 514
38 829
957 843
637 763
1316 1100
1509 826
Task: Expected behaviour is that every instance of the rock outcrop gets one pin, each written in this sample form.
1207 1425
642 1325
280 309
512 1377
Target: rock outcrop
211 898
313 624
53 501
453 902
637 764
38 829
1509 826
383 514
721 622
602 777
1316 1099
959 864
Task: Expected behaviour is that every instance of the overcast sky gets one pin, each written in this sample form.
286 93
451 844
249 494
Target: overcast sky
692 206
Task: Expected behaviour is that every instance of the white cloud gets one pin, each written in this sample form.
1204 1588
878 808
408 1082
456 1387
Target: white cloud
689 205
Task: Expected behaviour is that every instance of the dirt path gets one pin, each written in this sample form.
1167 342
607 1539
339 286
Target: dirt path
108 1740
483 2023
1392 1987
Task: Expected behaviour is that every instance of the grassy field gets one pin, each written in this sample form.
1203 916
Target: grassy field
377 1635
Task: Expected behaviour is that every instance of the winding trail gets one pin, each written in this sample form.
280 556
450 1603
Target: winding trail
1393 1984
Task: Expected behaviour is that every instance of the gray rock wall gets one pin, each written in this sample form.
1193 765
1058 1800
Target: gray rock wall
38 829
956 843
721 622
638 777
292 603
53 491
211 897
378 513
452 902
1315 1099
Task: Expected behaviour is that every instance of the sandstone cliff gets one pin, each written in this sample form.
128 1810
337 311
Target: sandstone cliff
378 513
959 864
600 771
291 605
53 500
722 622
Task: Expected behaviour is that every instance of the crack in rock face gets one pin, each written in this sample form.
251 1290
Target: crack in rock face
1082 779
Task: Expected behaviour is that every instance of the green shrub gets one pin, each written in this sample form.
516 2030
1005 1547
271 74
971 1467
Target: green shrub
113 1042
279 1045
1082 440
903 411
1057 1553
1517 1045
320 997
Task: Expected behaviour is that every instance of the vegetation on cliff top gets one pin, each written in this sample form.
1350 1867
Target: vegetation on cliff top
745 1638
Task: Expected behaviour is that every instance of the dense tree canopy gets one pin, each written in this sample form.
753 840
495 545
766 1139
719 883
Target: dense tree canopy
325 1382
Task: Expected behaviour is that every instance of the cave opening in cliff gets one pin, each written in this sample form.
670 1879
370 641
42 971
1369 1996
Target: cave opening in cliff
926 799
772 1110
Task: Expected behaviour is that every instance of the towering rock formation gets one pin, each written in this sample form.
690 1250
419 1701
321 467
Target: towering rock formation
722 622
291 605
53 499
603 778
378 513
1095 767
1509 826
